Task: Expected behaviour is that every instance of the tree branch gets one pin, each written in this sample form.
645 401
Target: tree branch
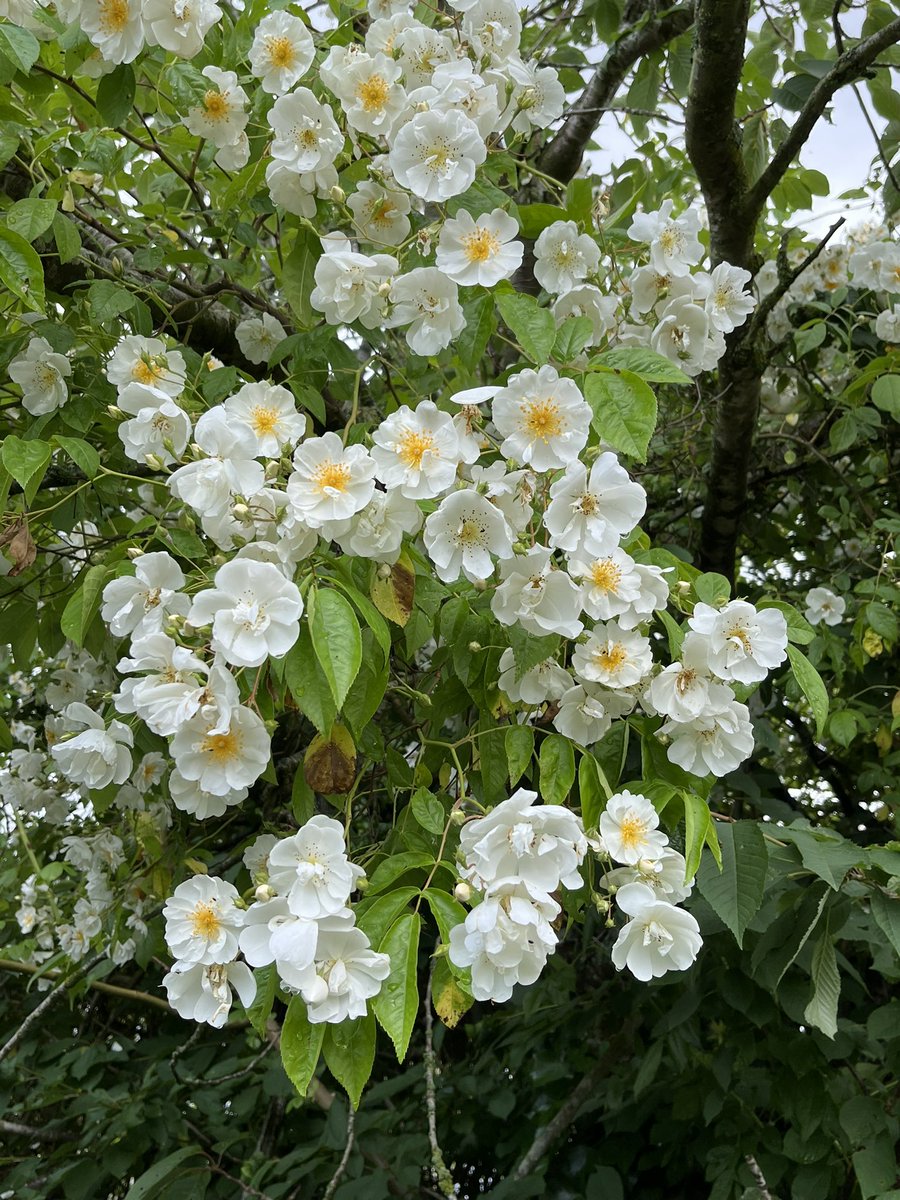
562 156
557 1126
848 67
99 985
785 284
438 1165
50 999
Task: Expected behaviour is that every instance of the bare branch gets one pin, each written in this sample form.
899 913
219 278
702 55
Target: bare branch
14 1129
556 1127
99 985
50 999
438 1166
789 278
345 1158
562 156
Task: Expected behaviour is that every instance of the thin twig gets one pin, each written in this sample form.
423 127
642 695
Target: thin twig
345 1158
14 1129
438 1165
785 283
111 989
50 999
758 1176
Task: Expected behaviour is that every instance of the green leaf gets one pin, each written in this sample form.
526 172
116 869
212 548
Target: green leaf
535 218
375 917
886 911
447 912
533 327
349 1050
301 1043
557 763
369 614
712 589
108 301
84 604
31 217
308 683
811 685
303 798
591 791
396 865
149 1185
528 650
650 366
574 334
428 810
26 462
519 745
472 342
624 410
266 987
735 892
697 822
19 46
298 277
876 1170
21 269
115 94
886 394
799 629
397 1003
822 1009
822 852
336 640
67 238
82 453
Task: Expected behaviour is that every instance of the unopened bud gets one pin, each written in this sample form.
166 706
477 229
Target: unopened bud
463 893
600 903
683 586
362 884
600 210
240 512
474 647
134 552
480 585
792 419
264 892
337 194
154 462
272 470
384 571
384 289
457 817
115 412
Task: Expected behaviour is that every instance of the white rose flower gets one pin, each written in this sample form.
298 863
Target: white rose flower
235 155
382 32
458 85
146 361
202 920
493 28
463 533
510 491
417 451
726 302
887 325
538 685
377 531
715 743
435 155
221 117
115 27
674 245
307 137
370 94
140 603
205 993
281 53
479 251
330 482
682 335
257 337
178 26
824 607
159 426
256 857
563 257
350 286
421 51
41 374
537 596
658 938
295 192
544 420
537 98
272 934
654 595
189 797
629 827
613 656
336 63
97 756
348 973
686 689
149 772
543 845
226 761
506 939
609 581
254 612
231 469
380 214
665 875
602 506
744 644
586 712
586 300
312 870
427 302
270 412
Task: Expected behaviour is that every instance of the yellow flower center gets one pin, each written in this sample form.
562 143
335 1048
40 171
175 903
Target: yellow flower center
383 212
631 831
469 533
215 105
221 747
413 447
373 92
480 245
611 656
46 376
605 575
263 420
205 921
740 634
148 370
281 52
113 15
307 139
331 476
684 681
542 419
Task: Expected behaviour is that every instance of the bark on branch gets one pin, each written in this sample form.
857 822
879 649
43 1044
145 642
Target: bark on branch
562 156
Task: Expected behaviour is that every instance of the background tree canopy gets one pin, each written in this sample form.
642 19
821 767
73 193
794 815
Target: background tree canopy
163 228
